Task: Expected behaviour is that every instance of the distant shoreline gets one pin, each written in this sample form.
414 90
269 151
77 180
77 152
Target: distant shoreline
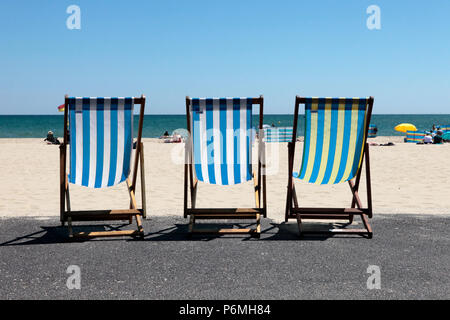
37 126
378 139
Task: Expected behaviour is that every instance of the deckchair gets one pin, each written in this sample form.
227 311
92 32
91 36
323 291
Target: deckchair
101 144
372 131
334 148
445 128
415 136
219 152
281 134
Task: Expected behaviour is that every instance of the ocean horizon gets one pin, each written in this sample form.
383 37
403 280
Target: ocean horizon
37 126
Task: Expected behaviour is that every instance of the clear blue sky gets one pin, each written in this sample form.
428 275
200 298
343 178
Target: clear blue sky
170 49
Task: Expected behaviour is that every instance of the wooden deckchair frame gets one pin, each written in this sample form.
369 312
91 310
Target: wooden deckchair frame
191 185
293 211
70 216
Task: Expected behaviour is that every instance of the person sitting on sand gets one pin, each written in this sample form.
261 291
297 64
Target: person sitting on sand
51 139
165 135
427 139
438 138
176 138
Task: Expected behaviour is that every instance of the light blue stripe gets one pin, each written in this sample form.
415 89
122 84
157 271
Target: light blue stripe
346 140
359 143
248 130
73 145
100 142
238 138
196 139
307 140
86 141
128 138
319 141
210 140
223 133
236 143
333 139
114 129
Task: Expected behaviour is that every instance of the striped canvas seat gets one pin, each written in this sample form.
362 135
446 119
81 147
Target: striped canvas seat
415 136
101 140
282 134
445 128
222 139
334 149
372 131
334 139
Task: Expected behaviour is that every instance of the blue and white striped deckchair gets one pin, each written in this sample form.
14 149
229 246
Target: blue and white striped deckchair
220 153
335 144
415 136
281 134
101 141
373 130
101 144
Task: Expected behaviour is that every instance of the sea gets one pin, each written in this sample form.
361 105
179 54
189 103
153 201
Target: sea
37 126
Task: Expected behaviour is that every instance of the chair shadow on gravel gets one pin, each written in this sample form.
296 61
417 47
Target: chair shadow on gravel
176 232
60 235
289 231
269 232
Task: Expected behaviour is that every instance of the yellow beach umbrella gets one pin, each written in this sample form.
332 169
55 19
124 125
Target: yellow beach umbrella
403 127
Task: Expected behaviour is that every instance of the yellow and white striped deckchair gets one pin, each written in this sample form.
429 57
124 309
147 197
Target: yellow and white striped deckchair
335 145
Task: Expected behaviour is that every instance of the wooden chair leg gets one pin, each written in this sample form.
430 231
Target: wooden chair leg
288 204
143 184
367 225
69 225
191 223
194 195
294 196
299 224
139 225
350 219
292 201
258 225
67 195
257 191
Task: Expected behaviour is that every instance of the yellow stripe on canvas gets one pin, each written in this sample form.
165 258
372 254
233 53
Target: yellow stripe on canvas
352 142
326 142
312 139
339 140
364 137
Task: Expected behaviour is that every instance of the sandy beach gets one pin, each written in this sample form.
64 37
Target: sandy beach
406 179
